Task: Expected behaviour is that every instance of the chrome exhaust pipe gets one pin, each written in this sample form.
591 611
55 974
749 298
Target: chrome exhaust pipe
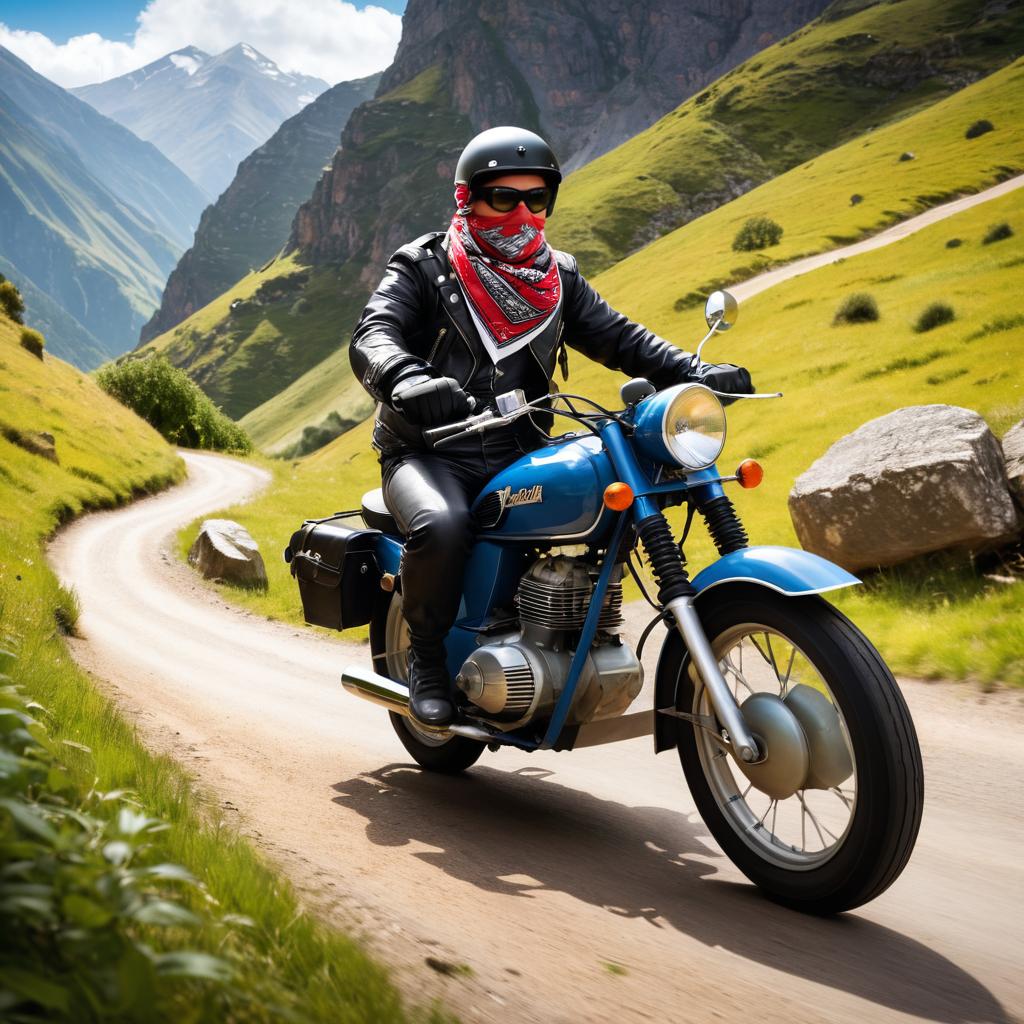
362 682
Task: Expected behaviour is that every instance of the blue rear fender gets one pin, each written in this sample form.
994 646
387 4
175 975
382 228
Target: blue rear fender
789 571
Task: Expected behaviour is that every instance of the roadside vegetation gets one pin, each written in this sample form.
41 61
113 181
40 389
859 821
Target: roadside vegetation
935 618
123 896
170 401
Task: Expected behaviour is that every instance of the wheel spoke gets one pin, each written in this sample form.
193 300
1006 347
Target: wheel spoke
789 671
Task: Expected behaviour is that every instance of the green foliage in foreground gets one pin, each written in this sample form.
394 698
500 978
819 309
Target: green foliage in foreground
283 966
168 399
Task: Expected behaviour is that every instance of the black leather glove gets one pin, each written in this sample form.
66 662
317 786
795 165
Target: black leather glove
725 377
430 401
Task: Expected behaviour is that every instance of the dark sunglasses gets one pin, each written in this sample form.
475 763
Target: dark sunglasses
505 199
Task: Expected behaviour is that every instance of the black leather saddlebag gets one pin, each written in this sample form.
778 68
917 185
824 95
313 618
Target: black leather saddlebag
335 564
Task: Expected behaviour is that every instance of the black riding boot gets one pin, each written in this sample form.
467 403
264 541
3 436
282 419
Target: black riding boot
430 686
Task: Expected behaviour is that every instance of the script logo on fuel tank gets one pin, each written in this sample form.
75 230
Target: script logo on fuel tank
524 496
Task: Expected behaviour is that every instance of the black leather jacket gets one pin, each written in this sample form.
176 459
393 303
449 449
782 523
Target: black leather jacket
417 318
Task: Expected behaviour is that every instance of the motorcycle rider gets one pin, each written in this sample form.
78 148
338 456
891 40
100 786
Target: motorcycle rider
462 316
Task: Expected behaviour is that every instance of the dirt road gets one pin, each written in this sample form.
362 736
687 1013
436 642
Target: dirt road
574 887
755 285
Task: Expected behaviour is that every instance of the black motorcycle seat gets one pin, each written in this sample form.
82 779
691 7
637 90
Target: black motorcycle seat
376 514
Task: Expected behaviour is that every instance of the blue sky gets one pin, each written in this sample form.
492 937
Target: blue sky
113 19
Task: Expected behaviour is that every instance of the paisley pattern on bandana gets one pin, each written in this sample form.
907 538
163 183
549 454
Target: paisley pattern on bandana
508 272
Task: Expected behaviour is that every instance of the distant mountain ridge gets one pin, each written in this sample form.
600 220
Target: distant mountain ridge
134 171
205 113
250 221
91 217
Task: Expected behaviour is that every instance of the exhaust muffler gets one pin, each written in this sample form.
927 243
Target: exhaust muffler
362 682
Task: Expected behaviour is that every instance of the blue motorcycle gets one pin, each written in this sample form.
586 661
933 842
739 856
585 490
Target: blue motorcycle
793 736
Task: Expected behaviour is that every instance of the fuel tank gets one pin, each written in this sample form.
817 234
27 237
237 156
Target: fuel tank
555 493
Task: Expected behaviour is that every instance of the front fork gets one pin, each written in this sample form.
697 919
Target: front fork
676 593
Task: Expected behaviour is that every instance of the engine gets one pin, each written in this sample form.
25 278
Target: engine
519 675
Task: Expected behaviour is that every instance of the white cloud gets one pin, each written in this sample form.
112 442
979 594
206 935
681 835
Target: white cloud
331 39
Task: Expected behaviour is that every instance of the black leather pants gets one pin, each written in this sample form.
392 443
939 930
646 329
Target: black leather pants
430 494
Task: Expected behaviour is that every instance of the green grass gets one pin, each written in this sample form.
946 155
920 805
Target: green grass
291 967
854 68
328 387
947 623
811 202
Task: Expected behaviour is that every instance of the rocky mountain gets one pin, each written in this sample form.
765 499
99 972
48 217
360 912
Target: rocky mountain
73 235
250 221
585 75
205 113
133 171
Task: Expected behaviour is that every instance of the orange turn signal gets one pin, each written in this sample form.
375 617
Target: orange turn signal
618 496
750 473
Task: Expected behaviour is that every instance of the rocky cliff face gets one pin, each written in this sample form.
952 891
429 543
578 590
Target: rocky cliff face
587 75
250 221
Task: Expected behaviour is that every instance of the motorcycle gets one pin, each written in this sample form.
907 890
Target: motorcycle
794 739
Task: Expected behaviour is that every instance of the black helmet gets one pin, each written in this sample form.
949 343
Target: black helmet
507 149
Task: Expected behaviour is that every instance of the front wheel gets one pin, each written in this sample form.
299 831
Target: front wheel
435 750
828 821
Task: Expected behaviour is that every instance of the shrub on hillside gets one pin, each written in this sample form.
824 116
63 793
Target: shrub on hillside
169 400
757 233
997 233
982 127
954 243
935 315
11 301
856 199
859 308
32 341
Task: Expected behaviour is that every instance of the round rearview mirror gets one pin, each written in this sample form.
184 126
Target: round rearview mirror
721 310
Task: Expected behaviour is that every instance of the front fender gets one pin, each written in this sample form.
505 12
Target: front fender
790 571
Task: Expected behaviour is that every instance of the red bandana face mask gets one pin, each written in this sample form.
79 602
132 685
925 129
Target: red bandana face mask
508 272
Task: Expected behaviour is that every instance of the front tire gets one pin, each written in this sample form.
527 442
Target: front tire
432 749
861 830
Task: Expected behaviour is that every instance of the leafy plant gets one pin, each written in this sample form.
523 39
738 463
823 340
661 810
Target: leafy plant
32 341
997 233
980 127
168 399
91 926
757 233
934 315
859 308
11 301
954 243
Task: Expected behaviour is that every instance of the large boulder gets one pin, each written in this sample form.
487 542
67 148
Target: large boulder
225 550
1013 452
921 479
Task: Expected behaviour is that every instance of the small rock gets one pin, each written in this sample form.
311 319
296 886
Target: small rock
921 479
1013 453
225 550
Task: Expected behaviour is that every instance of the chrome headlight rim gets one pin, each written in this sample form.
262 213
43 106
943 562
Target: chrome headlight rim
669 438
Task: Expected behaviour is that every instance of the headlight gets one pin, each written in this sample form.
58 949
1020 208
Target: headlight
684 424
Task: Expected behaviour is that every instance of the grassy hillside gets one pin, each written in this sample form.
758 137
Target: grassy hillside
811 202
273 962
857 66
933 622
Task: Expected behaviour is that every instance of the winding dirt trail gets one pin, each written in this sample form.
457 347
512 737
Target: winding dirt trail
755 285
538 872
